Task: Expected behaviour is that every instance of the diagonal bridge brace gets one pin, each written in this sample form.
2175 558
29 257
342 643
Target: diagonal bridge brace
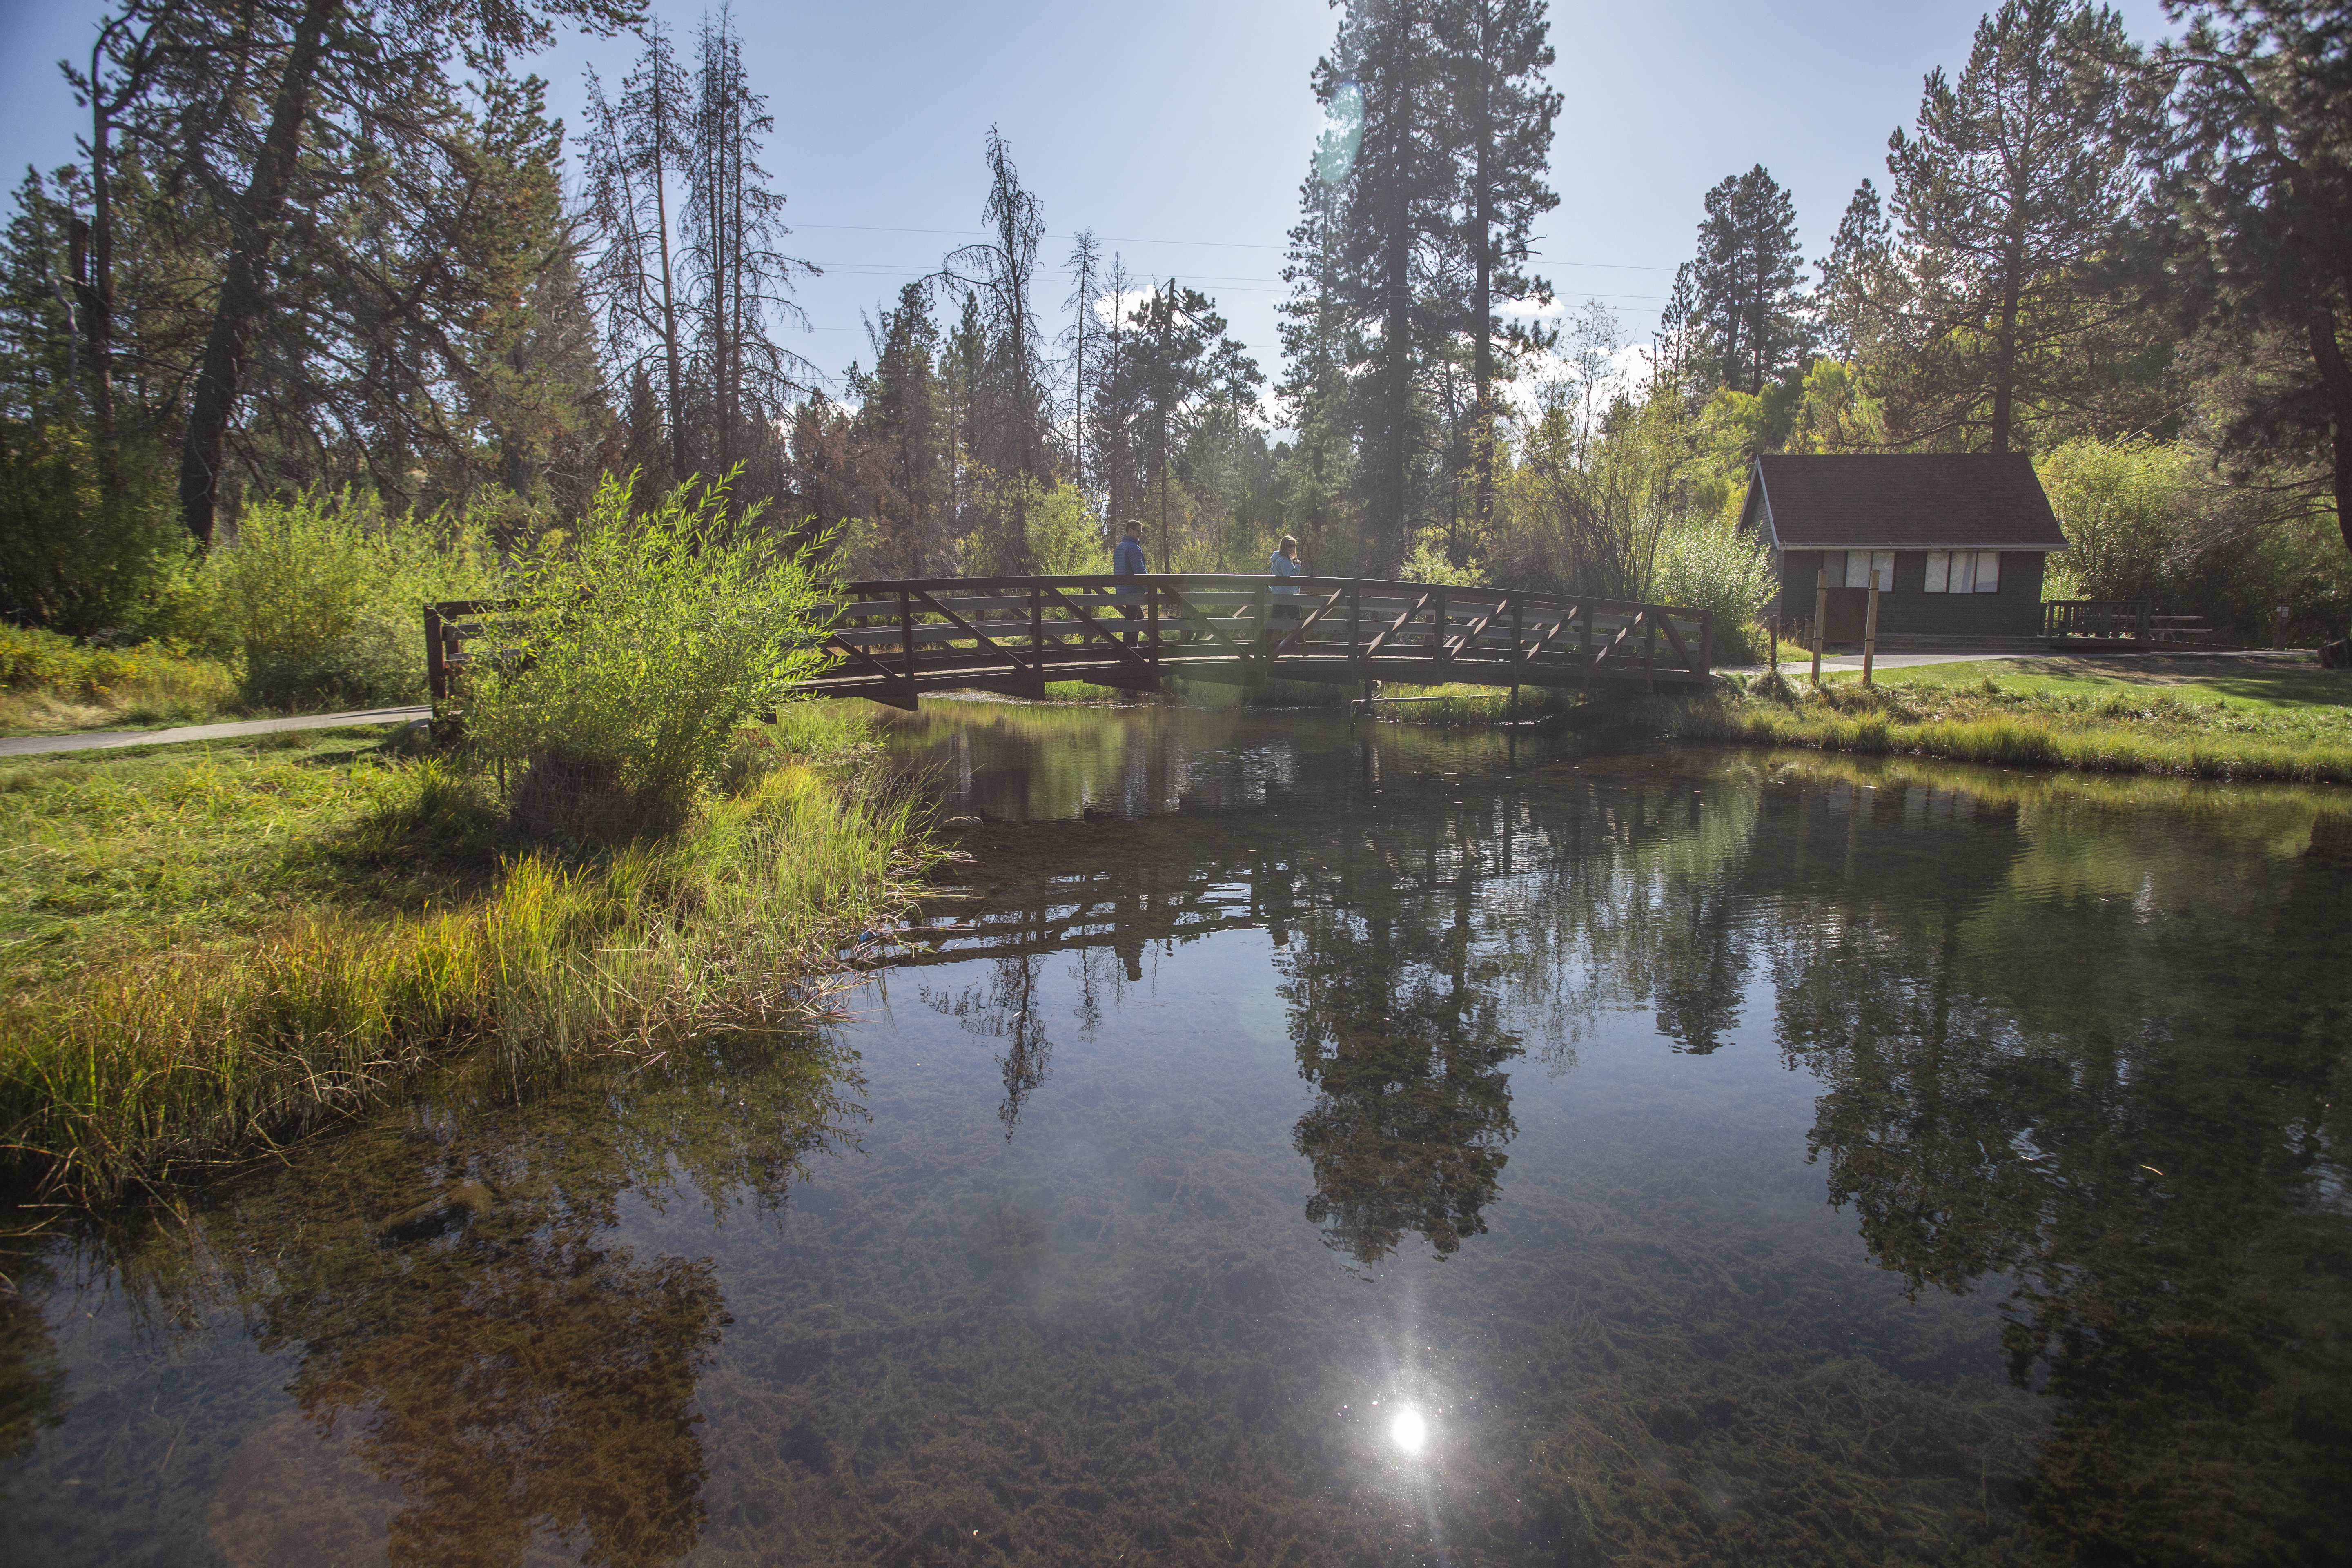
1397 625
1325 608
985 640
1125 654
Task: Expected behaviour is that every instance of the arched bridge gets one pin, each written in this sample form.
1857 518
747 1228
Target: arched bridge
897 640
1013 635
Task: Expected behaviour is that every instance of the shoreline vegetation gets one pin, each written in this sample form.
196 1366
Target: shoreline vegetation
2194 717
212 951
2197 718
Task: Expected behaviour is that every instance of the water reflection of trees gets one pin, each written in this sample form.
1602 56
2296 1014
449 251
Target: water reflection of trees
2111 1088
1419 959
505 1372
1400 1035
2088 1049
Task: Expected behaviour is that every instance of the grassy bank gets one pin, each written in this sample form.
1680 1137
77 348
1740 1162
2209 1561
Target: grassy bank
50 684
207 952
2207 717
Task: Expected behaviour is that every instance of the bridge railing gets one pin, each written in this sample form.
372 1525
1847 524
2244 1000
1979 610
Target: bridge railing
1015 633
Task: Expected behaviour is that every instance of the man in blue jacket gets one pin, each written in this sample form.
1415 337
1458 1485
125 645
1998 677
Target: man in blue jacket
1127 561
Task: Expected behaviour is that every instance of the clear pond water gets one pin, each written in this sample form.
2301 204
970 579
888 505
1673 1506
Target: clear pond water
1286 1146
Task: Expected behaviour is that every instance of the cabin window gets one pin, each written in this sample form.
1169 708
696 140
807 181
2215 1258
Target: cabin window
1963 571
1858 564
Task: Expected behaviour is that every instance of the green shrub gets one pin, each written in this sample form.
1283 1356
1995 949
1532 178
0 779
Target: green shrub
325 595
641 648
69 561
1704 565
1064 536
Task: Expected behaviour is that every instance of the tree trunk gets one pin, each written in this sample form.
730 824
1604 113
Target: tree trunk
678 467
1482 298
97 307
1396 333
245 280
2328 354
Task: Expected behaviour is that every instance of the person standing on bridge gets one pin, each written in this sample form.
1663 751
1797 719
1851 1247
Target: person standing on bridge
1127 561
1284 565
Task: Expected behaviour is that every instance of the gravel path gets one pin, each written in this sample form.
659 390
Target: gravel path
100 740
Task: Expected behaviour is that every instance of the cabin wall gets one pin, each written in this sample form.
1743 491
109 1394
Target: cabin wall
1908 608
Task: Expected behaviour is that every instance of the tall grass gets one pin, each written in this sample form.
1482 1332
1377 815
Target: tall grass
50 681
140 1073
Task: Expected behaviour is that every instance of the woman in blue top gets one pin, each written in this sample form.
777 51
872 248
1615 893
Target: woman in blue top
1284 565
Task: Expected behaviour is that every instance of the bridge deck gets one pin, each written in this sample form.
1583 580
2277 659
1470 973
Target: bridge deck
1013 635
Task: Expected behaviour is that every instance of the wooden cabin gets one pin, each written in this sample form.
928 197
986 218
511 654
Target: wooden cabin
1960 539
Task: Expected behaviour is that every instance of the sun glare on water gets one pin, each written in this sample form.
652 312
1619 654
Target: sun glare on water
1408 1430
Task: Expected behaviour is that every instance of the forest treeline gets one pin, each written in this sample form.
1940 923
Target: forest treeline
341 247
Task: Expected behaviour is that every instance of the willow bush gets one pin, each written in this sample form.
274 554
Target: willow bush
638 649
1704 565
323 594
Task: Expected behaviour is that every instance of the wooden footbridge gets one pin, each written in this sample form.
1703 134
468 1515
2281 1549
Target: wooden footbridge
895 640
899 639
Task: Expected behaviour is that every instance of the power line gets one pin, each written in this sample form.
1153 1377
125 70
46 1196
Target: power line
1134 239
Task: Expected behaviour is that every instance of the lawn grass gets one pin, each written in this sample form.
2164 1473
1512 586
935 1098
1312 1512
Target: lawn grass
2209 717
210 950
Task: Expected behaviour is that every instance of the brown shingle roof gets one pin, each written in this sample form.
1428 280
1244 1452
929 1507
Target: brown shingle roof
1907 500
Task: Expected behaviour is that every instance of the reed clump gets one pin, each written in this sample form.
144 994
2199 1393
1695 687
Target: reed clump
120 1074
2136 731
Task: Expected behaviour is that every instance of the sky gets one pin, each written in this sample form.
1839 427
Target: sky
1180 132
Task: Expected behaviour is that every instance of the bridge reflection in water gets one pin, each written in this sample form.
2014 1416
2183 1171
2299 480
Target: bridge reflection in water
1013 635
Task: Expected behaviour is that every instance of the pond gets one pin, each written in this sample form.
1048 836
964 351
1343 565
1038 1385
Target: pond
1286 1143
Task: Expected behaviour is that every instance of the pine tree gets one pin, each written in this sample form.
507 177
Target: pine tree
742 286
1857 277
1392 229
2018 177
1502 112
633 150
902 423
279 114
2263 180
1746 277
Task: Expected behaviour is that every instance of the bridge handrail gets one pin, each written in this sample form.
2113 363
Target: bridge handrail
1249 579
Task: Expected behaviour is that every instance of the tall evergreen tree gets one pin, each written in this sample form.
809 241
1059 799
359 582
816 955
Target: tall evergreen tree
1746 277
1857 276
2019 175
633 150
1393 232
902 423
280 114
1494 53
743 282
2263 179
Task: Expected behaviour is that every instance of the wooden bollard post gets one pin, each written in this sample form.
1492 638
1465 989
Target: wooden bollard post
1821 613
1869 628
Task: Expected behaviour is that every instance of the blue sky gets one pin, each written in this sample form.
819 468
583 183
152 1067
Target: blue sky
1180 132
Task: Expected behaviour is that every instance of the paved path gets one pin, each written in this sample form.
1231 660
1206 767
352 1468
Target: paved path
100 740
1913 660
